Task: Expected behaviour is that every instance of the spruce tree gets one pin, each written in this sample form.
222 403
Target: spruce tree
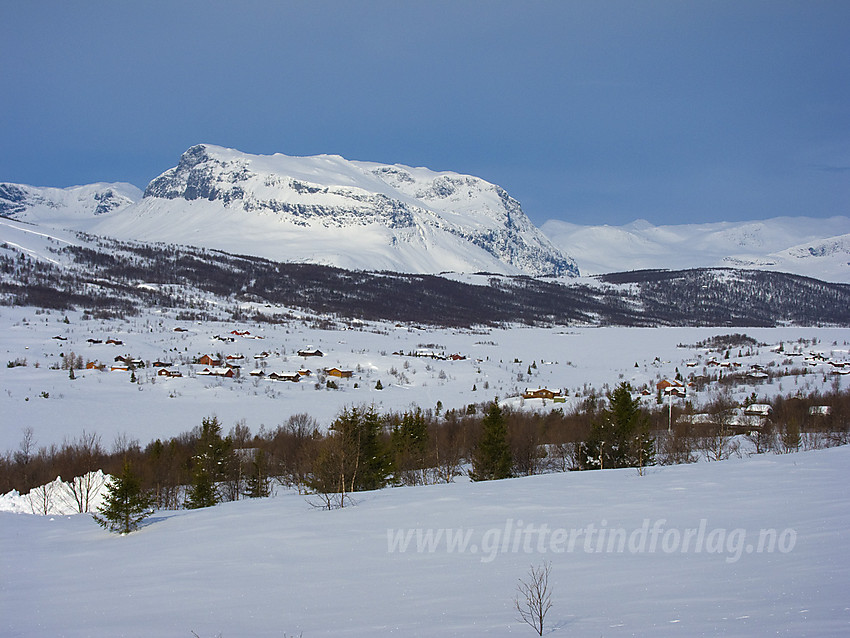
492 456
368 459
409 441
791 436
213 458
202 492
126 505
619 437
258 479
353 457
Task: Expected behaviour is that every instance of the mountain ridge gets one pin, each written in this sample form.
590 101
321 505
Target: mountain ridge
811 247
74 203
360 215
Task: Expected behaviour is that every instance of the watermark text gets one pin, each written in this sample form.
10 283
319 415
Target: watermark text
517 536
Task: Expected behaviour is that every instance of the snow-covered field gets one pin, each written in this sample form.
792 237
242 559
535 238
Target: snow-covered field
748 547
745 547
42 396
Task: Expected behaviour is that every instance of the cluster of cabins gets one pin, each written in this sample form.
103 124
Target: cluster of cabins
120 364
755 371
231 337
111 342
230 367
226 367
667 387
297 376
758 371
431 354
678 389
815 359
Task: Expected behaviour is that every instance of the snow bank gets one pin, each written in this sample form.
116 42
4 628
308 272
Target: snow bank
58 497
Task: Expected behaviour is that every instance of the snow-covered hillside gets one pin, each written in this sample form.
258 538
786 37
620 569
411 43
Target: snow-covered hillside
818 248
69 206
739 548
325 209
36 242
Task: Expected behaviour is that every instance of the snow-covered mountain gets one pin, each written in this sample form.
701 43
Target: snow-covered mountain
329 210
371 216
65 205
817 248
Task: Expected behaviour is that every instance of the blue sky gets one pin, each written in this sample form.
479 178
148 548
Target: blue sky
592 111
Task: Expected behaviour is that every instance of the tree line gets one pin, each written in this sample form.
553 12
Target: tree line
364 449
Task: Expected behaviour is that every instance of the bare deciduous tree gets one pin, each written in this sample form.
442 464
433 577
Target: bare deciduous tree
561 457
86 457
328 482
791 437
447 450
41 498
525 438
761 433
25 454
718 442
85 490
678 446
124 444
534 599
26 449
293 450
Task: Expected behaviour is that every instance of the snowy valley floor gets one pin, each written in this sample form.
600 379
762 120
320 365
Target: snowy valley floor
690 562
499 362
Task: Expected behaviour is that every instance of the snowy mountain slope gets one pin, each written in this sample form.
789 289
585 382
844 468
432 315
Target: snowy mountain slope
737 548
102 275
56 205
36 242
328 210
827 259
806 246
